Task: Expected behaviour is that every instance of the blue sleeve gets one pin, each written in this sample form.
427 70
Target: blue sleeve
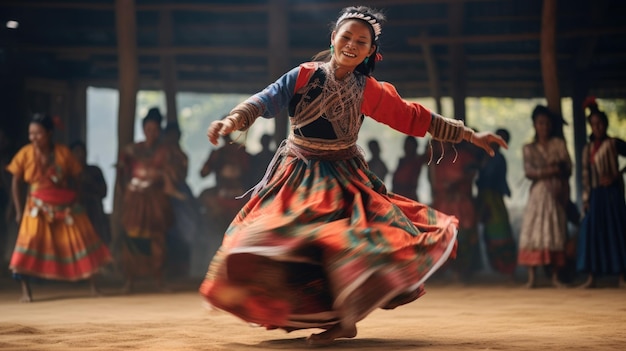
276 96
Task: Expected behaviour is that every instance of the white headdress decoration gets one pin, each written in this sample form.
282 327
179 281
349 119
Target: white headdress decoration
367 18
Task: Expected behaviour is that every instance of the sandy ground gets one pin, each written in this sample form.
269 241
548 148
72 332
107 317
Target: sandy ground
486 316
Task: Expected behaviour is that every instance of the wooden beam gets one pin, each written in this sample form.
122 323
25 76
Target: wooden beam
458 69
496 38
318 5
587 47
581 78
179 6
278 56
138 7
549 67
168 66
190 67
154 51
125 21
433 75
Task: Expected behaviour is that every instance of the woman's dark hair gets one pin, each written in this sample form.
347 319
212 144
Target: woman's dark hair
504 133
154 115
363 67
43 120
541 110
594 110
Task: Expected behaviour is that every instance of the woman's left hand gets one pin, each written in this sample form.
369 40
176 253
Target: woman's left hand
485 140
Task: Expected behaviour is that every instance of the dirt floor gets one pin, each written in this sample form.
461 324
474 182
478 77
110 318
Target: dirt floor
483 316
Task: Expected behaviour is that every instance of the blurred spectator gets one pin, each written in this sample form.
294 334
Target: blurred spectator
5 196
452 181
375 163
544 226
602 238
492 212
260 161
56 239
230 163
407 173
145 172
186 208
93 190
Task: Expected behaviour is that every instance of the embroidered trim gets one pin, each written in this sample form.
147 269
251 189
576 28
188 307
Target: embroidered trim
248 113
367 18
446 129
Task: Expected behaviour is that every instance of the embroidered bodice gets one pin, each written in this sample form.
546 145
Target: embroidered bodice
325 114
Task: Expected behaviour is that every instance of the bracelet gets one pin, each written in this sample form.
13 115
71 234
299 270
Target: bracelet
234 121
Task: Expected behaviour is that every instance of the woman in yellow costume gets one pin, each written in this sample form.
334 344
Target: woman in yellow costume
55 239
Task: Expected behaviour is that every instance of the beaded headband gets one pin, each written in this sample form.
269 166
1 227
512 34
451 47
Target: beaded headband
367 18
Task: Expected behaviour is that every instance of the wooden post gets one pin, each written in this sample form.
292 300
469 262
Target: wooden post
168 66
580 91
433 74
78 114
128 84
278 56
548 57
583 59
459 81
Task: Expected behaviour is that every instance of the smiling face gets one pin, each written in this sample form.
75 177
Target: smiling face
38 135
352 42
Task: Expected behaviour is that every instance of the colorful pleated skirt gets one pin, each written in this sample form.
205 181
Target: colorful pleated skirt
58 249
325 243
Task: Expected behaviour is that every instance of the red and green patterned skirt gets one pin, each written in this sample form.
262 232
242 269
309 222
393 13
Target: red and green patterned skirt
324 242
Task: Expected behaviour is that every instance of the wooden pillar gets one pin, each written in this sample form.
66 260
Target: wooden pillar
549 69
278 56
128 81
580 91
434 82
168 66
459 81
581 75
77 128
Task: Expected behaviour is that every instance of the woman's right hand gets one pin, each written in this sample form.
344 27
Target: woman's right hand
220 128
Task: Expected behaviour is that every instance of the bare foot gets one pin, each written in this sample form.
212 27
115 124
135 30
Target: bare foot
95 292
327 337
128 287
557 283
27 295
93 287
588 284
531 278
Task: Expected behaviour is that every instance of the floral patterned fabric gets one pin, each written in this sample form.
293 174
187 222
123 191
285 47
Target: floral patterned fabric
544 225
